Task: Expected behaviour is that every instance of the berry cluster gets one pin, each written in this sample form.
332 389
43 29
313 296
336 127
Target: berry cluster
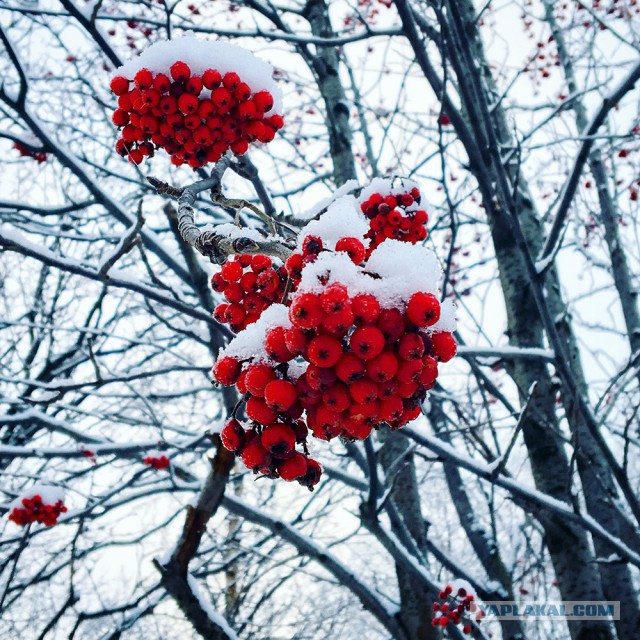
157 461
454 609
34 510
271 450
395 215
195 119
250 284
355 343
38 156
346 360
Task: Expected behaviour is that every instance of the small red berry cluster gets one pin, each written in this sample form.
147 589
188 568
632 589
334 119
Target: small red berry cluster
396 216
157 461
250 284
454 609
195 119
34 510
271 450
38 156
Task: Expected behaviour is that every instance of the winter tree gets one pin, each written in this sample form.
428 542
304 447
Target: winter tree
318 320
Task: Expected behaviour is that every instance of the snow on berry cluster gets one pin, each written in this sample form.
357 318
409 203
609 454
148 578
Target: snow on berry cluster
357 343
41 504
249 284
455 608
393 208
196 100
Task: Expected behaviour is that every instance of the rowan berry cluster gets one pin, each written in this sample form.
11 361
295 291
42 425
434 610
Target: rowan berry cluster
38 156
194 118
355 343
454 609
156 461
395 215
35 510
250 284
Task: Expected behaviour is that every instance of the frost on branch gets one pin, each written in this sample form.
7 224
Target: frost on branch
355 342
195 99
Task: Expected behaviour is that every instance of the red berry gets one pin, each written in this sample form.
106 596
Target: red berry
324 351
226 370
135 156
429 371
312 244
278 439
296 340
242 92
255 456
161 83
120 117
313 474
276 121
221 98
318 378
334 298
201 135
143 79
232 435
411 346
391 323
280 395
180 71
193 85
219 313
306 311
364 391
391 388
246 110
391 409
258 410
263 101
187 103
382 367
338 323
423 309
365 308
258 377
293 265
367 342
239 147
119 85
353 247
231 80
275 345
409 371
231 271
168 105
444 346
421 217
293 467
211 79
336 398
255 130
357 429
